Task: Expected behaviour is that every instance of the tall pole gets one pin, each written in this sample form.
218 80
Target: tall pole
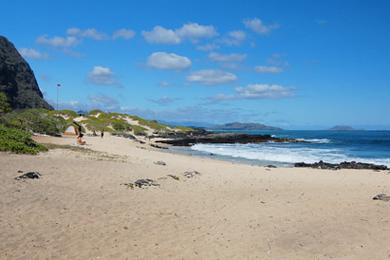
58 90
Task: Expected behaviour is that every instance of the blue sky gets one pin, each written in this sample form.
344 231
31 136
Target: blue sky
293 64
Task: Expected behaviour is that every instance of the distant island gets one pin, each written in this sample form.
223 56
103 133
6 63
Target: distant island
341 128
245 126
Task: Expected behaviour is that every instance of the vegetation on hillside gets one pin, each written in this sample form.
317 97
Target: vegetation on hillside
4 104
36 121
18 141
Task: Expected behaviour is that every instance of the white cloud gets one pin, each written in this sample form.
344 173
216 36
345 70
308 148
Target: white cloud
191 31
268 69
162 35
164 84
258 26
207 47
125 34
163 101
260 91
57 41
234 57
195 31
103 102
255 91
234 38
100 75
211 77
163 60
30 53
91 33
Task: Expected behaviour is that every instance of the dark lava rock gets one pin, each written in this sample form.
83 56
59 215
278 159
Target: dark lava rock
145 182
160 163
29 175
158 147
381 196
343 165
191 174
271 166
224 138
17 80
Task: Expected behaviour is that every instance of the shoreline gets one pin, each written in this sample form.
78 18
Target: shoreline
82 208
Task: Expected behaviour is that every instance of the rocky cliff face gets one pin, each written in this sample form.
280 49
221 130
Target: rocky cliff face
17 80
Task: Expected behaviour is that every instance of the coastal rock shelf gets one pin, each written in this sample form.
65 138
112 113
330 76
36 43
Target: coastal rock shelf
225 138
343 165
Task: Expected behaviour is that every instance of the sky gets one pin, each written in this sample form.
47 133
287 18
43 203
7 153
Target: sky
292 64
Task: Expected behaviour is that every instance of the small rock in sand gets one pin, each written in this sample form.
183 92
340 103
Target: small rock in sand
29 175
381 196
160 163
145 182
174 177
271 166
190 174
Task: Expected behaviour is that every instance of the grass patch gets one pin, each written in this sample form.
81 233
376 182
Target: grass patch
18 141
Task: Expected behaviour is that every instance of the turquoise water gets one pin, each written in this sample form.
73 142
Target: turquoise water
329 146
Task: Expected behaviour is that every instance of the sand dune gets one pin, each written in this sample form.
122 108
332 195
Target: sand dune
79 208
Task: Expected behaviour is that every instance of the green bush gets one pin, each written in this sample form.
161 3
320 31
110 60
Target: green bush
35 120
18 141
120 125
149 123
65 112
138 130
4 105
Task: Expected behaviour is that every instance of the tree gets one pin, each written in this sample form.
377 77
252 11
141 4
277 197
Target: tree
4 105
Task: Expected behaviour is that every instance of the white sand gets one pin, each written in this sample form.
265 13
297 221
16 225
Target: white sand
78 209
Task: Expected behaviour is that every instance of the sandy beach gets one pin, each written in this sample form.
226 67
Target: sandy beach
80 209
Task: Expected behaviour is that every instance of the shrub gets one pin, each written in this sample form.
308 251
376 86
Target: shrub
4 105
120 125
149 123
35 120
18 141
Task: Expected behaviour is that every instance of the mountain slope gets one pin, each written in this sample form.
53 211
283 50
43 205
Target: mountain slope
17 80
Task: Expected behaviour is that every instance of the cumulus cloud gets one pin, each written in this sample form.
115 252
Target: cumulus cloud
163 60
100 75
256 91
258 26
164 84
103 102
125 34
207 47
90 33
268 69
233 57
211 77
234 38
162 35
275 65
163 101
259 91
195 31
57 41
30 53
191 31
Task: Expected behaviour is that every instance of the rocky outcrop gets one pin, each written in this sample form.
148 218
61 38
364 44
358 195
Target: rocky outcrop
343 165
17 80
224 138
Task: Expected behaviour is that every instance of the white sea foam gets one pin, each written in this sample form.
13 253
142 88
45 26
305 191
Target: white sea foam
315 140
283 154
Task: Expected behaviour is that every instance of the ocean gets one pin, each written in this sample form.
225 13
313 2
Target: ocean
329 146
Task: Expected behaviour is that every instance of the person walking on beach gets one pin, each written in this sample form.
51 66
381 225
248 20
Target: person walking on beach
102 134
